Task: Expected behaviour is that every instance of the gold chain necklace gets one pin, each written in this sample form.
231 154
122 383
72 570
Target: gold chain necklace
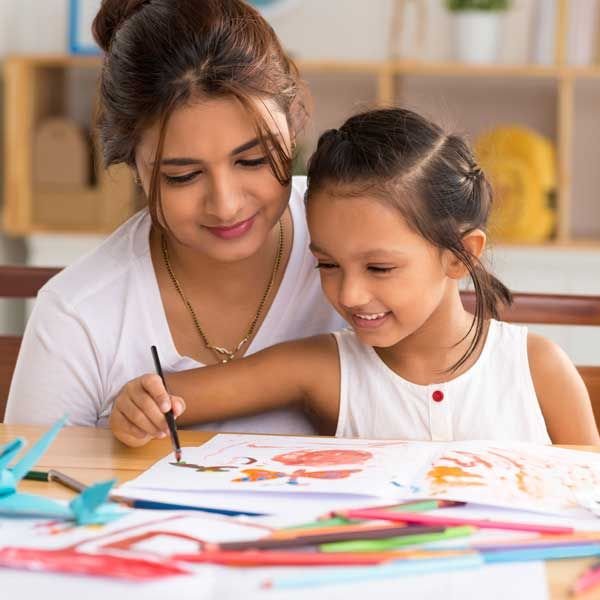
224 355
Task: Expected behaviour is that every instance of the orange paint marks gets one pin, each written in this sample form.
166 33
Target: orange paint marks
453 476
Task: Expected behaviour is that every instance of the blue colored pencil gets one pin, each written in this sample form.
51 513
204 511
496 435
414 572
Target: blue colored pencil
387 571
525 554
155 505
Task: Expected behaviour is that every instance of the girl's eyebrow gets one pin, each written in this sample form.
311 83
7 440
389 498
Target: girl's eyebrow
376 252
314 248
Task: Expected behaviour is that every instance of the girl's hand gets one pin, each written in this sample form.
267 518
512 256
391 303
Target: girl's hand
138 412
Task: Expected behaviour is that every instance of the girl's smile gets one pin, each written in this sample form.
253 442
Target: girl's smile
370 320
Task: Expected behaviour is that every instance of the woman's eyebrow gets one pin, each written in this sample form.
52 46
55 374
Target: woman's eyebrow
186 161
245 146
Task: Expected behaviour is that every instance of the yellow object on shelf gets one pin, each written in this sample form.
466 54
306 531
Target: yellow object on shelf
520 163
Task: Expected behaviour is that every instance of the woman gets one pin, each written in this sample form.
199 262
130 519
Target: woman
199 99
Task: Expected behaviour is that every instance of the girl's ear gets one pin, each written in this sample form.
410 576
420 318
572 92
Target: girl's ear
474 243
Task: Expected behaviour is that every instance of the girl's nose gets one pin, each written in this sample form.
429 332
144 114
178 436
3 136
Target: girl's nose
353 293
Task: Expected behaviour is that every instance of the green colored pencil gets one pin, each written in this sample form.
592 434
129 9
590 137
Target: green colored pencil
36 476
396 542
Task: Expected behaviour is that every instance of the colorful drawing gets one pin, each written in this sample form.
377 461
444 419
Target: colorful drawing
518 475
323 458
264 475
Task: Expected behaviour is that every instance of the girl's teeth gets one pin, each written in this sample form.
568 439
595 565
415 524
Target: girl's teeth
371 317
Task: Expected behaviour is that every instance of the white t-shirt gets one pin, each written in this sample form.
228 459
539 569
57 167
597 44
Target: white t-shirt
92 326
494 400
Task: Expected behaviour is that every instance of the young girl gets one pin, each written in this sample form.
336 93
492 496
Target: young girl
397 211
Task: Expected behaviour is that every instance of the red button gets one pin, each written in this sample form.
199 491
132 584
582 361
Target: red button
437 396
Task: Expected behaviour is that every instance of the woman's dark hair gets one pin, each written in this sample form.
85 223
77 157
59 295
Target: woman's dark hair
163 54
432 178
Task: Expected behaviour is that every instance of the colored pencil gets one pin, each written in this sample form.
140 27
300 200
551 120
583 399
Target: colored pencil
350 526
312 539
553 553
66 480
36 476
320 524
541 542
589 579
385 571
156 505
266 558
383 545
169 416
429 519
412 506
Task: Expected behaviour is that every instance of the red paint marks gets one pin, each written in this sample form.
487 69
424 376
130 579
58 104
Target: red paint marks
475 460
129 542
322 458
102 565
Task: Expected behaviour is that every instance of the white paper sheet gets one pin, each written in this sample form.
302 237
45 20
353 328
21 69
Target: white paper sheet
294 465
516 475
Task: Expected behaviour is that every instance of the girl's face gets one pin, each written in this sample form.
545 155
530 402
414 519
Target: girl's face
219 195
382 277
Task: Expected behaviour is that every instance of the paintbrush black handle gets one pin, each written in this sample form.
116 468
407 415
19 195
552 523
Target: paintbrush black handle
169 416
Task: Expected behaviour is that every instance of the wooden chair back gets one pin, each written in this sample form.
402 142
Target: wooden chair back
556 309
16 282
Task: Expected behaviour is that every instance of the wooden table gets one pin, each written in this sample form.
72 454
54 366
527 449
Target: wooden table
90 455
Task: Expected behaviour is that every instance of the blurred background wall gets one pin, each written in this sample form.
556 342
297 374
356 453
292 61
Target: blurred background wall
523 86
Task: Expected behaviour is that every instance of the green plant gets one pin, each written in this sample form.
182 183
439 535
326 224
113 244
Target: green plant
491 5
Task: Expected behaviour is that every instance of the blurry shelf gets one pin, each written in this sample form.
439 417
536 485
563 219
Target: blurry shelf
57 60
341 66
453 69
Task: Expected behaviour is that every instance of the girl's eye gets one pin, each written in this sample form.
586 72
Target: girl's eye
325 265
253 162
180 179
380 268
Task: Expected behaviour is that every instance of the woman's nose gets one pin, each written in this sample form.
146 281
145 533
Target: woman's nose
224 199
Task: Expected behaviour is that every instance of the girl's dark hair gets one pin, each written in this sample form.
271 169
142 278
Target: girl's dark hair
432 178
163 54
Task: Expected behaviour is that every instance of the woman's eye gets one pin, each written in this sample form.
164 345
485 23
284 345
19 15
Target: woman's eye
380 268
253 162
325 265
180 179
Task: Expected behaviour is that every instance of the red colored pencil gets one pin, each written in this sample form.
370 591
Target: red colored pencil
260 558
429 519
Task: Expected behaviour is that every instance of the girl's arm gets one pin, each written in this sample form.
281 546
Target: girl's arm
562 394
300 373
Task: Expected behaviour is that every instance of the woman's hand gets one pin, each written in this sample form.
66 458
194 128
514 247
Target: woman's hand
138 412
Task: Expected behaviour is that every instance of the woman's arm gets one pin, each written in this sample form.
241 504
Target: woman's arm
562 394
303 372
58 368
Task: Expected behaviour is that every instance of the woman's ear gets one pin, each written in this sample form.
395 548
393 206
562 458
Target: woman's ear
474 244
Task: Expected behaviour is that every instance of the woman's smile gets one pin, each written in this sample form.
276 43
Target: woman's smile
229 232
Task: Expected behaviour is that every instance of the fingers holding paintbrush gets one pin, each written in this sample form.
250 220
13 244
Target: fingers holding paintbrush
169 413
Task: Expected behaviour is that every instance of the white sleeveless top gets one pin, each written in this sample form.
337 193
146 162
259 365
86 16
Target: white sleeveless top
494 399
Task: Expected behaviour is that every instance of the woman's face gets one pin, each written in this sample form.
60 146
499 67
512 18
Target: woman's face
219 194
